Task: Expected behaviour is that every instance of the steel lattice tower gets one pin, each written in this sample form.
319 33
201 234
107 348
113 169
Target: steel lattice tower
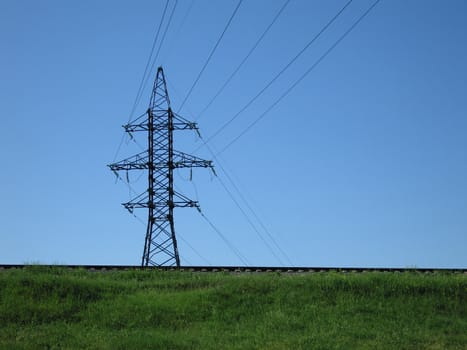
160 160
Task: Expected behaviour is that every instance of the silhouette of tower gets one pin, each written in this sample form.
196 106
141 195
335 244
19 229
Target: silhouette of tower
160 160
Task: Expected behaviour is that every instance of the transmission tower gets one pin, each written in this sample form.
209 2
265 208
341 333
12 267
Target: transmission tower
160 160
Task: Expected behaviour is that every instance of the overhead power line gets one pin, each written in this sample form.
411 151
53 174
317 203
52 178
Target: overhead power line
311 68
226 241
235 116
149 61
168 52
158 50
253 48
142 78
194 250
242 211
210 55
263 226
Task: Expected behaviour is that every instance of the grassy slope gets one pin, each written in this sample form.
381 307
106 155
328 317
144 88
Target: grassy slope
59 309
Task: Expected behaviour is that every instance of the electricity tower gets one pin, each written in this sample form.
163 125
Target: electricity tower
160 160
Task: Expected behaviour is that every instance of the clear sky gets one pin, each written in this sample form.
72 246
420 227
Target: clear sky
364 163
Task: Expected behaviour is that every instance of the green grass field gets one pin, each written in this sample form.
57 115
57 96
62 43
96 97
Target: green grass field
53 308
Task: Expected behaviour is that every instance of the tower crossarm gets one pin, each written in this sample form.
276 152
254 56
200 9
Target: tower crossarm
137 162
179 123
184 160
142 201
183 201
141 161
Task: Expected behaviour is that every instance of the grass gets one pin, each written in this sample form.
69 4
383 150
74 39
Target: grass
54 308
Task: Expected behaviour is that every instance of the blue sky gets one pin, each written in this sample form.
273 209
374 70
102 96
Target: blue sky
364 163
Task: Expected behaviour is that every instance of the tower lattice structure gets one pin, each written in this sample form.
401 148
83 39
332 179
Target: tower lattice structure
159 160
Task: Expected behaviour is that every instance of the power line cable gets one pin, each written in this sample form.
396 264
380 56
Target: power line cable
158 49
277 75
177 33
313 66
245 215
210 55
188 261
263 226
226 241
179 97
149 60
193 249
253 48
142 79
119 146
186 16
224 238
